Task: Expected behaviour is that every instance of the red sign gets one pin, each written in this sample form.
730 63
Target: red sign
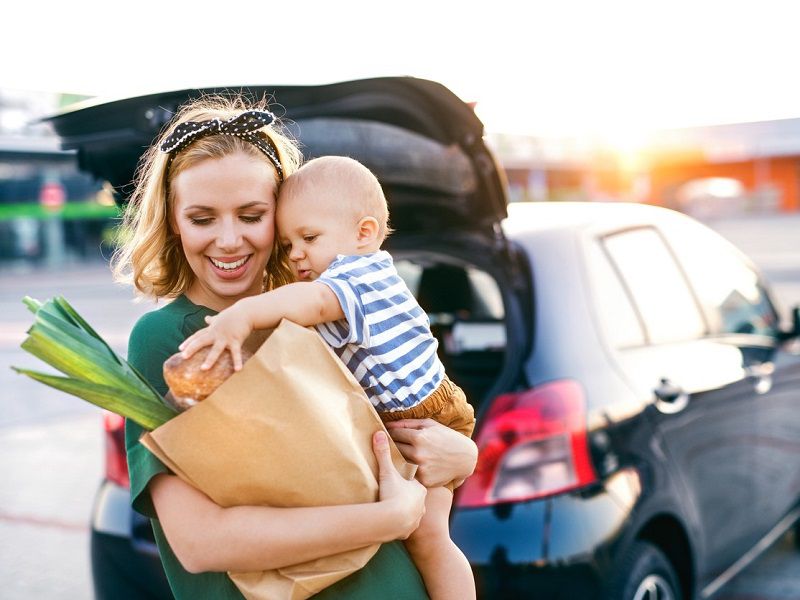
52 196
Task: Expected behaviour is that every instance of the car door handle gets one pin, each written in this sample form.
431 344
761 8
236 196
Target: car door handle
670 398
761 376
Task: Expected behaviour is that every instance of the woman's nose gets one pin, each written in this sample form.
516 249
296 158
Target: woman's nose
228 237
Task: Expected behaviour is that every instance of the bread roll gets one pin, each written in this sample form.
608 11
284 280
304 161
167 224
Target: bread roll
188 384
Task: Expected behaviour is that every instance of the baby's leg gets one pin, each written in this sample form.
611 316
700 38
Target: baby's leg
444 568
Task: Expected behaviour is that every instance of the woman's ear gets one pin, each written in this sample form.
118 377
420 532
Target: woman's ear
368 231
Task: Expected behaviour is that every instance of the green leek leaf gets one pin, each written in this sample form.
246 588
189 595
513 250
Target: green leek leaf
148 413
61 338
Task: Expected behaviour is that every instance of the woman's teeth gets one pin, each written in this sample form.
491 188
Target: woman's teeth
229 266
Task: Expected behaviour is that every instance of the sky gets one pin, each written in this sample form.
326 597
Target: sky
603 68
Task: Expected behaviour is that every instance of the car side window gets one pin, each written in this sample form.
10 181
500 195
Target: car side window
728 288
656 285
617 315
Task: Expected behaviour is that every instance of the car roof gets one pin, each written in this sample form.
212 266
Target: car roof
539 217
551 222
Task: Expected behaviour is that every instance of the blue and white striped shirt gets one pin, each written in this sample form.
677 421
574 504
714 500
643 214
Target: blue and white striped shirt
385 338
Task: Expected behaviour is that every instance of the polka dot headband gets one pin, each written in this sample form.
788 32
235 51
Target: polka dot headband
246 126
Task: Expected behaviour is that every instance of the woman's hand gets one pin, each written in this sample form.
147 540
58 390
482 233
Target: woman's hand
404 498
441 453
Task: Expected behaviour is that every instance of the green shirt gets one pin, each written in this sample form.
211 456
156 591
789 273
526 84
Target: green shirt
155 337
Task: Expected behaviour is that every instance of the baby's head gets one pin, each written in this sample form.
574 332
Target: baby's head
331 205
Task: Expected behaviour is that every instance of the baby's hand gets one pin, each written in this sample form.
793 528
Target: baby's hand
229 329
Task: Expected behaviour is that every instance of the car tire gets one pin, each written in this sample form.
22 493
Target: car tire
644 573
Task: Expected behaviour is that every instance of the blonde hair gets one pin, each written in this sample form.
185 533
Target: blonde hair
151 257
355 185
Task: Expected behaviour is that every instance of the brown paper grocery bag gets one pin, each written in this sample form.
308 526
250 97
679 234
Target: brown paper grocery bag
292 428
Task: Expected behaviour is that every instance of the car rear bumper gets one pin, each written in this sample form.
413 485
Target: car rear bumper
558 547
509 582
125 561
111 514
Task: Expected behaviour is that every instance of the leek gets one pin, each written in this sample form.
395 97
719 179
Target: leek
92 370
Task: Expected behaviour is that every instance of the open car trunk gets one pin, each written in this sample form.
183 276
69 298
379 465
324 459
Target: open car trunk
445 191
475 309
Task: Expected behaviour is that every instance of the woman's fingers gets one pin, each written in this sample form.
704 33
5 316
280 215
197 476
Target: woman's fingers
380 446
441 454
407 450
406 436
405 498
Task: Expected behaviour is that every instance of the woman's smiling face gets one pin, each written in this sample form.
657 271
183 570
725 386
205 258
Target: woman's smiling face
224 213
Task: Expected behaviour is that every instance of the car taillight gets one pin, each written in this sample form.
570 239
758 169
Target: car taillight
116 461
531 444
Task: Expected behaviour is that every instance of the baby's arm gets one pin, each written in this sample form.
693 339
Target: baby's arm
305 303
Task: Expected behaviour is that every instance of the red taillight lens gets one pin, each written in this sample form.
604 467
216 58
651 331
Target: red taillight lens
116 461
531 444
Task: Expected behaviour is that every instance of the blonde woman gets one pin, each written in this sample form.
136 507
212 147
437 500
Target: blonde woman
203 235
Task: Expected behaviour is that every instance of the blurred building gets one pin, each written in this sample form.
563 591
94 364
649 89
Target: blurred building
49 211
705 171
761 160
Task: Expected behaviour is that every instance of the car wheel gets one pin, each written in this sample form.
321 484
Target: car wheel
644 573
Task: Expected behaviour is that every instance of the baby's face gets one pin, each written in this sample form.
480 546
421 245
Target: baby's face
313 231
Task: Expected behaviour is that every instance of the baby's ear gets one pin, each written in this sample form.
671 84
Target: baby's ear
368 230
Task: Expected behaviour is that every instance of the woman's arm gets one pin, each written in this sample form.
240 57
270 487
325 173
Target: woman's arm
441 453
207 537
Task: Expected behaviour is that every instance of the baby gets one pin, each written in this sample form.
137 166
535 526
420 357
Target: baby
332 218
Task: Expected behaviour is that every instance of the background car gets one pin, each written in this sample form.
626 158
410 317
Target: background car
635 389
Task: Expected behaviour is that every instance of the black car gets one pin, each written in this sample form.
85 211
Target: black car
636 391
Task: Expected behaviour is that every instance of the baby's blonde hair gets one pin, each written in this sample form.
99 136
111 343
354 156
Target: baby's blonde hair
357 189
150 256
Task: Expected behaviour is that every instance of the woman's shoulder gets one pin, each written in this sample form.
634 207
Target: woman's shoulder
169 313
177 316
159 331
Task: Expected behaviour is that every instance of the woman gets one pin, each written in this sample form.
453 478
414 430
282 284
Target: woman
202 232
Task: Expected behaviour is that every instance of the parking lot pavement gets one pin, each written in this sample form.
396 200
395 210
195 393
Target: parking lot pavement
51 444
774 576
50 471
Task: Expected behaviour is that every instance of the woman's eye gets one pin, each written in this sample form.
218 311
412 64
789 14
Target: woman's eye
251 218
200 220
